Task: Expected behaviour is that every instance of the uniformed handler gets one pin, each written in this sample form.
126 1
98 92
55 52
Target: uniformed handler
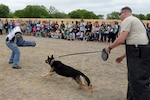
134 35
15 39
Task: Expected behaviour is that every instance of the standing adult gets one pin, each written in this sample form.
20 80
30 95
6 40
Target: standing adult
148 28
15 39
116 30
1 27
6 26
111 33
82 26
133 33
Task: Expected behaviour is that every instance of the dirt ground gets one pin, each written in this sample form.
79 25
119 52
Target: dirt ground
108 78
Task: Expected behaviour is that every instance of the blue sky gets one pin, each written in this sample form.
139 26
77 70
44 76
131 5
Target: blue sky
97 6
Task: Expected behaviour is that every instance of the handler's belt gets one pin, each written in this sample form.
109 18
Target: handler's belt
139 51
136 45
11 41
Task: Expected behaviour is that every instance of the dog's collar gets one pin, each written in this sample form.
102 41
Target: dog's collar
52 61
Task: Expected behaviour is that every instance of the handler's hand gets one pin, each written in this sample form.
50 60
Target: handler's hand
119 59
107 50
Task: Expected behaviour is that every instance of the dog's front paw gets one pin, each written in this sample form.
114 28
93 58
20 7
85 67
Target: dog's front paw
48 74
43 75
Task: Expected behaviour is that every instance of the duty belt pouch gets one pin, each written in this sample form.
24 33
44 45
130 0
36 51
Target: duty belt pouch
133 52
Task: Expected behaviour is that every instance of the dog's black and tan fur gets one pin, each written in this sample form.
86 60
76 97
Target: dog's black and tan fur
67 71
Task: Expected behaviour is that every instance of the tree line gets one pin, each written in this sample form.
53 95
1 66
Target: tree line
37 11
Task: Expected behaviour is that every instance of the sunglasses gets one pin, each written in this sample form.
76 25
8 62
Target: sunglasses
120 13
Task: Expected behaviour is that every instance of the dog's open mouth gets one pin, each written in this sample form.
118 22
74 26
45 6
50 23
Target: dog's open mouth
46 61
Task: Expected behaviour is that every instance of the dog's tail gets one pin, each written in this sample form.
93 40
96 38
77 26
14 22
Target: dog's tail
85 79
85 82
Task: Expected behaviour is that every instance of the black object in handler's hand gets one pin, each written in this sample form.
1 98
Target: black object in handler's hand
104 55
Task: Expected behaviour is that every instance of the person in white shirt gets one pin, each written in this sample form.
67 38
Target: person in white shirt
15 39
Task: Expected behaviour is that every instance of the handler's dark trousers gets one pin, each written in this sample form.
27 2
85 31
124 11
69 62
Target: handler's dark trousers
138 63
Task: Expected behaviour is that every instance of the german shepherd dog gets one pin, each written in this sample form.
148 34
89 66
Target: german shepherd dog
67 71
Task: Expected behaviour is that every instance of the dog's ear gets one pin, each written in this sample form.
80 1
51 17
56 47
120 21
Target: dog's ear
52 56
48 57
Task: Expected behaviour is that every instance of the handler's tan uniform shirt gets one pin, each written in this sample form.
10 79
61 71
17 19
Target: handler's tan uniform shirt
137 33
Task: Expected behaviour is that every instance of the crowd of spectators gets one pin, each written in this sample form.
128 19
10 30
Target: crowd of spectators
78 30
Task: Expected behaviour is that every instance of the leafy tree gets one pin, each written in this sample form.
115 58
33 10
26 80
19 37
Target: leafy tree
140 16
75 14
54 13
113 15
52 10
83 14
35 11
60 15
19 13
4 11
100 16
11 15
148 16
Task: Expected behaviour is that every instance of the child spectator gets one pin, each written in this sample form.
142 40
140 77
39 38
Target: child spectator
34 30
80 35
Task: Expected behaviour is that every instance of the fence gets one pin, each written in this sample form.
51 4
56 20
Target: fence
65 20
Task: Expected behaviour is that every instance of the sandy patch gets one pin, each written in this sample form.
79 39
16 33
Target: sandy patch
108 78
